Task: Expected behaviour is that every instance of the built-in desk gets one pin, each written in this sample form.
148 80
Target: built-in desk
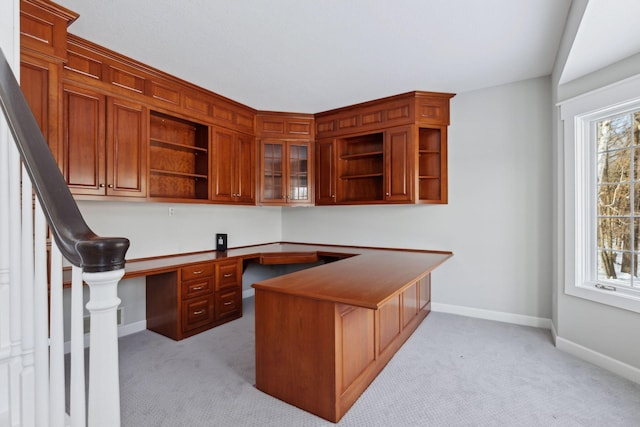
322 334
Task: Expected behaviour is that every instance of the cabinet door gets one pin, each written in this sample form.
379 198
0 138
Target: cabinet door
398 164
127 152
83 163
325 184
222 161
39 84
299 173
272 172
245 176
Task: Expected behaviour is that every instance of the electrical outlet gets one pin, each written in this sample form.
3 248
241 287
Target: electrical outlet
172 211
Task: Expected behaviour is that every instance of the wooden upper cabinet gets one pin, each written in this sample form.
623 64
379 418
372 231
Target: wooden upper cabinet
127 136
233 167
325 184
104 144
286 158
39 84
285 173
398 173
391 150
178 158
83 119
43 28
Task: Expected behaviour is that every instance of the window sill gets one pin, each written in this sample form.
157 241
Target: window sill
611 298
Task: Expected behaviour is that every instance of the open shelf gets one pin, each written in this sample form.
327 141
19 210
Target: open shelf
361 167
178 158
361 176
177 146
430 164
357 156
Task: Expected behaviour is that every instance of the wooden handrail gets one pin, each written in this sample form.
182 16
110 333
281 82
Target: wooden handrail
77 242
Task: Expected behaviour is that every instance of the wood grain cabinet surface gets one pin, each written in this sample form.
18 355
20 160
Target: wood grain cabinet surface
104 145
319 355
391 150
193 298
233 160
286 158
122 129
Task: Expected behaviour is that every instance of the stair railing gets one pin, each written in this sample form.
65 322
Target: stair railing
35 352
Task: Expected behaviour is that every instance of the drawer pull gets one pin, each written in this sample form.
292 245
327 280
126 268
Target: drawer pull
197 288
199 312
228 303
197 272
227 275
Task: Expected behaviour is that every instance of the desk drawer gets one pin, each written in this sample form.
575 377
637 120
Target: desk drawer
194 288
196 271
228 303
197 312
229 274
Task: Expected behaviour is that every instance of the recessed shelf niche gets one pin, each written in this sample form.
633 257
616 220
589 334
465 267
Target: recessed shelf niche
178 158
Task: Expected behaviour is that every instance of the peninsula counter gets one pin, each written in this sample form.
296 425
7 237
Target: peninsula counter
324 334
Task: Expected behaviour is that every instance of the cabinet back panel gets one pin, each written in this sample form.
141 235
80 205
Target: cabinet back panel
165 158
172 186
429 139
173 130
430 189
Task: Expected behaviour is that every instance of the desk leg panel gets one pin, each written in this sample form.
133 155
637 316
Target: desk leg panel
295 351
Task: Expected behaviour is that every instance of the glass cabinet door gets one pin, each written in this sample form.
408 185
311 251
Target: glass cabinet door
272 172
298 173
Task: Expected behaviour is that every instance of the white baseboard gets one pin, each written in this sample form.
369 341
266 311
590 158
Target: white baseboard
132 328
248 293
617 367
500 316
124 330
620 368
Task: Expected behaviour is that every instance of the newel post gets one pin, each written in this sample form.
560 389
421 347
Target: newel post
104 381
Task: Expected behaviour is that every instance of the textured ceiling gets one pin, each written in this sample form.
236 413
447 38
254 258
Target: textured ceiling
314 55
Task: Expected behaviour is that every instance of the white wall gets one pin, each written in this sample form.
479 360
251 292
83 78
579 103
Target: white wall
498 220
152 232
192 228
605 335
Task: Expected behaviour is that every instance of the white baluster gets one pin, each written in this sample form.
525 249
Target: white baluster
104 382
56 343
27 376
41 323
15 282
77 389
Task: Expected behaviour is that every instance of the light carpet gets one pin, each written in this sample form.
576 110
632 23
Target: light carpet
453 371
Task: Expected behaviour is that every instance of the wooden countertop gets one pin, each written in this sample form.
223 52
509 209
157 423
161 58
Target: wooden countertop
365 277
366 280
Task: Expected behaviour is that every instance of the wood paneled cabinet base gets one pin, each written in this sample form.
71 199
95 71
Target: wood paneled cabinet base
321 355
194 298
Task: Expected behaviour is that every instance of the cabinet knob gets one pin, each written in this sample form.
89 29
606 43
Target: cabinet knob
333 196
110 185
387 194
101 185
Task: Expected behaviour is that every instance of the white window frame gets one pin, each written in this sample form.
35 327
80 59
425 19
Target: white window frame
580 213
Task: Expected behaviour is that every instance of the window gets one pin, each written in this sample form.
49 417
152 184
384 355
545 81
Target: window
617 165
602 195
